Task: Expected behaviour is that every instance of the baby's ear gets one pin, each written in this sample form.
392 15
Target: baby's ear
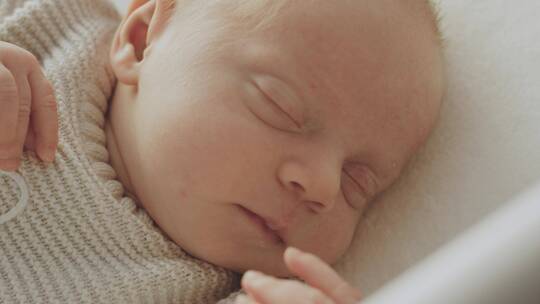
143 23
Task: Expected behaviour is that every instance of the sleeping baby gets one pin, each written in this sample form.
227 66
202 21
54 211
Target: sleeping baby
156 158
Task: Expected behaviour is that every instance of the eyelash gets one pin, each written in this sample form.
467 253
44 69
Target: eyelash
284 113
277 106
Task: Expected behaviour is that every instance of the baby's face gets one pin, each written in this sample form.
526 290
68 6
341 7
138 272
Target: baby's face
301 123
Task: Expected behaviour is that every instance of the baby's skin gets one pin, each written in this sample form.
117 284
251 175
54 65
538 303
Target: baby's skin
243 141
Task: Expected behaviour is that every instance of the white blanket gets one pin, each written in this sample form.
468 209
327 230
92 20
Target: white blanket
485 149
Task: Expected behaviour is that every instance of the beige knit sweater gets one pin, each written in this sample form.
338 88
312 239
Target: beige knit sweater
79 239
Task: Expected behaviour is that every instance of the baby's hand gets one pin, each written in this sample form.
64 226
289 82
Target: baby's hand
28 113
325 285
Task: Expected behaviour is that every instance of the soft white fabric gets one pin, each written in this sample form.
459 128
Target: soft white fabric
485 149
483 265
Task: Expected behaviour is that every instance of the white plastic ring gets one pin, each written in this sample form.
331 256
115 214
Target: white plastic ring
23 199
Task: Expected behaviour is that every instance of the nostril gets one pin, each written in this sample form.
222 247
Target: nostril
317 207
297 186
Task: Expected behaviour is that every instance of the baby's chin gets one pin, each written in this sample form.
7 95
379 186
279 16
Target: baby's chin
274 268
240 260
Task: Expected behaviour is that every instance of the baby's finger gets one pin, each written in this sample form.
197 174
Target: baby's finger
9 104
30 141
23 119
243 299
9 97
44 115
269 290
320 275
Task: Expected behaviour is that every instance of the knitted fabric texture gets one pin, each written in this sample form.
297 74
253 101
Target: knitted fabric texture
80 239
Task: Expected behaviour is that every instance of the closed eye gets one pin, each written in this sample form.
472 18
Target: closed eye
276 106
268 111
356 197
279 108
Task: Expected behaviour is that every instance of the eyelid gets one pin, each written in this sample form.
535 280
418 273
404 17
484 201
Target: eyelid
270 99
354 181
259 105
361 190
276 91
370 185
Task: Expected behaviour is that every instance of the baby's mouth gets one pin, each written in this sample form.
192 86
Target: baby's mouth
259 221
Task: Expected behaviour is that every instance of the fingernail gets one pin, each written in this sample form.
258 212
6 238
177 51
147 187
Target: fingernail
252 275
293 250
48 155
10 164
254 278
242 299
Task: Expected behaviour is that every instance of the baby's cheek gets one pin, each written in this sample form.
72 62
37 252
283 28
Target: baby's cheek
332 236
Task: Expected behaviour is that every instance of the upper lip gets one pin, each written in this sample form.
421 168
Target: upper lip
272 223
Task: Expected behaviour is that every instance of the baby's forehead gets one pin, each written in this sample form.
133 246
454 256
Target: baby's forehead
267 12
370 52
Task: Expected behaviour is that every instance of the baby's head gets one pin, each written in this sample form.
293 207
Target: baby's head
298 111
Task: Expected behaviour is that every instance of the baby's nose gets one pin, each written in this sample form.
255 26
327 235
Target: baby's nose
316 185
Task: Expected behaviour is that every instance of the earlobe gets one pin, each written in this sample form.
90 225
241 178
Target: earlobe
133 38
125 64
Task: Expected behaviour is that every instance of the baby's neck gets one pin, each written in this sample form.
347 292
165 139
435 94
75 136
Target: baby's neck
117 136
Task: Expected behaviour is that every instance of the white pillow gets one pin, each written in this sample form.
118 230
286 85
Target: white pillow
485 149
